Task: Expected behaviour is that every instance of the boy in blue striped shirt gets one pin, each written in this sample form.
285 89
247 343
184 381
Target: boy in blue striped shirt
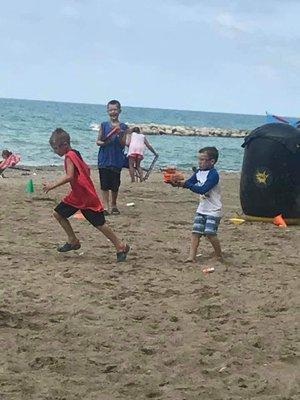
205 182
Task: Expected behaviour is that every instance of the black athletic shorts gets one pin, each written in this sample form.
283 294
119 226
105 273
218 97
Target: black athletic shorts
96 218
110 178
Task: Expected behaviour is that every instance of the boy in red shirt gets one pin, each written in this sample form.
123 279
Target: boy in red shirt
82 196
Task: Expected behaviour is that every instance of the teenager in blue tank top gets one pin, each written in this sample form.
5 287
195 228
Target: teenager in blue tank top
112 154
111 140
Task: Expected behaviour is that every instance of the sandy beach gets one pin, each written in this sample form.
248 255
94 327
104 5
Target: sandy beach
79 326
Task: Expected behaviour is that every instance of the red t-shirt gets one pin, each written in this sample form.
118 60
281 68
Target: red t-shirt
83 193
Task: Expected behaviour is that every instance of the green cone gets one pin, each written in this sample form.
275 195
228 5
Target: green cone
29 188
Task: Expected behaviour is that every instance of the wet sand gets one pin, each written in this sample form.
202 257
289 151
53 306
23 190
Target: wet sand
80 326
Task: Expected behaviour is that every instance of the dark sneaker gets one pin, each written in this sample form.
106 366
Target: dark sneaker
121 255
115 211
68 247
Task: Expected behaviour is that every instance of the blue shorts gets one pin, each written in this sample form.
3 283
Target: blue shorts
205 224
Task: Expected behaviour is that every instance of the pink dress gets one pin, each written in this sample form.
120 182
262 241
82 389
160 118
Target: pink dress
136 146
10 161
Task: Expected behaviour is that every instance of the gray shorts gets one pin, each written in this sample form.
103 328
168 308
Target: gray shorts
205 224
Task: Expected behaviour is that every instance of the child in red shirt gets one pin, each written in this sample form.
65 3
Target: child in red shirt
82 196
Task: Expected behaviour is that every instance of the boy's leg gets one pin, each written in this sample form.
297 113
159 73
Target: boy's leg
97 219
65 224
105 198
216 245
105 229
122 248
104 177
61 213
131 169
194 246
198 229
139 168
114 197
210 231
114 187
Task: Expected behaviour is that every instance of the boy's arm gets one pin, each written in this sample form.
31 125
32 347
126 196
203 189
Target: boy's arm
189 182
211 181
150 147
99 141
63 180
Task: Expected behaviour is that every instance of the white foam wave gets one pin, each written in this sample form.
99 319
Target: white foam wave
94 126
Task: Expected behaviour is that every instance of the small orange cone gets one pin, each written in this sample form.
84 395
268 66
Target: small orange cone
279 221
78 215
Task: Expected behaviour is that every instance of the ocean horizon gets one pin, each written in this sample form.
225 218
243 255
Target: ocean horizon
26 125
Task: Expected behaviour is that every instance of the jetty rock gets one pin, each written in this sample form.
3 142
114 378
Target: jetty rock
178 130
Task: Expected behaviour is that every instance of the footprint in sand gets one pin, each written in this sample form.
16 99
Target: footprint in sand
16 321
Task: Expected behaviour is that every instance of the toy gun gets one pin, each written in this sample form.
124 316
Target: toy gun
114 131
171 175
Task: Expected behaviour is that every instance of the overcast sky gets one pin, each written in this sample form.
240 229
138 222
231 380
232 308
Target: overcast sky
240 56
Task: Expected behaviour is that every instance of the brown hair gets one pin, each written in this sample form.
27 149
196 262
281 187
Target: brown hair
6 153
114 103
136 129
59 136
212 152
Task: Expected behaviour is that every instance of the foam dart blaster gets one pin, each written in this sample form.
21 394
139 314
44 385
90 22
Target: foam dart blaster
169 170
115 131
167 177
171 175
167 174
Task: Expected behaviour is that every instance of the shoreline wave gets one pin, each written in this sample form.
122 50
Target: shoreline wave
57 167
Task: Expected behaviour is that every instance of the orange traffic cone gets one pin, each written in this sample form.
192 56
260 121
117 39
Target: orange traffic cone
279 221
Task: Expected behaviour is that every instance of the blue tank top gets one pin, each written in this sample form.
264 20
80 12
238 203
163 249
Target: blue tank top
112 154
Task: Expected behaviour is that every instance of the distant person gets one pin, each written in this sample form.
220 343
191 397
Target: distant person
9 160
111 158
137 142
205 182
82 196
5 154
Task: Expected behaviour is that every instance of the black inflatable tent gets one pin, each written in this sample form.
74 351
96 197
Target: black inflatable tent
270 180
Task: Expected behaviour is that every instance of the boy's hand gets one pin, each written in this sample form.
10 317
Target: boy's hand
100 143
47 187
179 183
177 180
175 183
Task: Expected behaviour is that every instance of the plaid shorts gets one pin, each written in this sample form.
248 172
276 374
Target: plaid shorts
205 224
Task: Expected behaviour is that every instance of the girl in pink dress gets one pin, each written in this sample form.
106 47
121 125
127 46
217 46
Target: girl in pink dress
137 144
9 160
